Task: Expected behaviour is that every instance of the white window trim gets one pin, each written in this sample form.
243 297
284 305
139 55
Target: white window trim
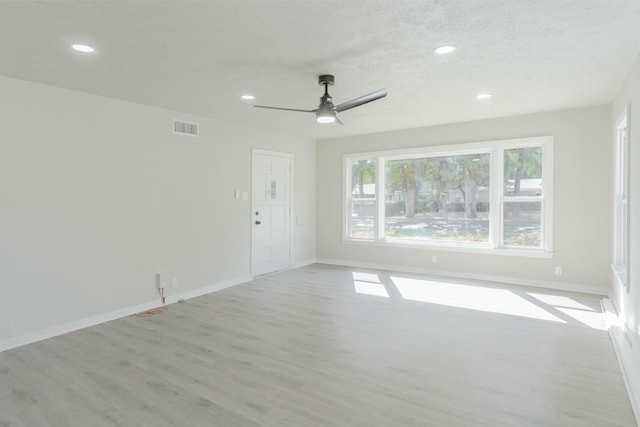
621 247
497 166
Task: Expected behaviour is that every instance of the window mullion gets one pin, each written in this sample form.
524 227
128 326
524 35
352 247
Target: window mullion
380 199
496 188
347 200
547 197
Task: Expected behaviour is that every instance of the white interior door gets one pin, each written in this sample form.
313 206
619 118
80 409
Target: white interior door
271 212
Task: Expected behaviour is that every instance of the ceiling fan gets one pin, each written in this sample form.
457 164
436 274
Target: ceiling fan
326 111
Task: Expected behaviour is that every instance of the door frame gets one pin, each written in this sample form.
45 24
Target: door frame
254 152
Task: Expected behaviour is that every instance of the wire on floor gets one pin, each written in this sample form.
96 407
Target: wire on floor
151 312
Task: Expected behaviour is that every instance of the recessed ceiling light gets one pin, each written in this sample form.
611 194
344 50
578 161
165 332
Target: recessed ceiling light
248 97
443 50
484 95
83 48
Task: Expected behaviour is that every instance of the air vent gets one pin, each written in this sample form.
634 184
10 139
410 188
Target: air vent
185 128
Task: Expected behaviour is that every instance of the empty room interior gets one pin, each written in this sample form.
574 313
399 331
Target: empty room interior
320 213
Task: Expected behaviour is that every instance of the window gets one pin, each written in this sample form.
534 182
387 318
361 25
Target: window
438 198
481 196
621 202
362 197
522 197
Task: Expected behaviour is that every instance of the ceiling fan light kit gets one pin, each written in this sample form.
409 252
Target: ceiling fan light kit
327 117
327 112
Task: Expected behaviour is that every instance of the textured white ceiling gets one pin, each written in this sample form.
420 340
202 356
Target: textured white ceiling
199 57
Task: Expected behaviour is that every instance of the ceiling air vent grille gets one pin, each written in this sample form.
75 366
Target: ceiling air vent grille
185 128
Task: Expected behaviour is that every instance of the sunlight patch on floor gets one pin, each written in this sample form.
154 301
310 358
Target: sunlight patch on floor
572 308
369 284
368 288
500 301
533 305
560 301
592 319
366 277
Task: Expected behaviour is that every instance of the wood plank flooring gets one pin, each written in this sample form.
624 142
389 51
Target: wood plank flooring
315 347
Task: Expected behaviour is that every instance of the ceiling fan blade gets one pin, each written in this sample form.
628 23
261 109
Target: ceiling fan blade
381 93
285 109
339 122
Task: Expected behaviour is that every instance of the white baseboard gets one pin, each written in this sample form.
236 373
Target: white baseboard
303 263
628 356
53 331
65 328
564 286
171 299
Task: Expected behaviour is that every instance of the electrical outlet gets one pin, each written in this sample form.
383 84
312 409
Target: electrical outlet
558 271
174 282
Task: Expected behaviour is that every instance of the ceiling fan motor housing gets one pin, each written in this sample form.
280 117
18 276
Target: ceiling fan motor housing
326 79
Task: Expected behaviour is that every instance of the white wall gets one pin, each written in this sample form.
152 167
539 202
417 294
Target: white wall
629 303
97 195
582 213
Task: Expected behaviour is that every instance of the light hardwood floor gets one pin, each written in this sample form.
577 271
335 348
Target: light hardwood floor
315 347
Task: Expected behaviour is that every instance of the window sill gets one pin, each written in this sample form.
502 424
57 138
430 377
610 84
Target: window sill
462 248
620 271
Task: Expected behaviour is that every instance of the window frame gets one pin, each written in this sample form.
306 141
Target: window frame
621 208
496 189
